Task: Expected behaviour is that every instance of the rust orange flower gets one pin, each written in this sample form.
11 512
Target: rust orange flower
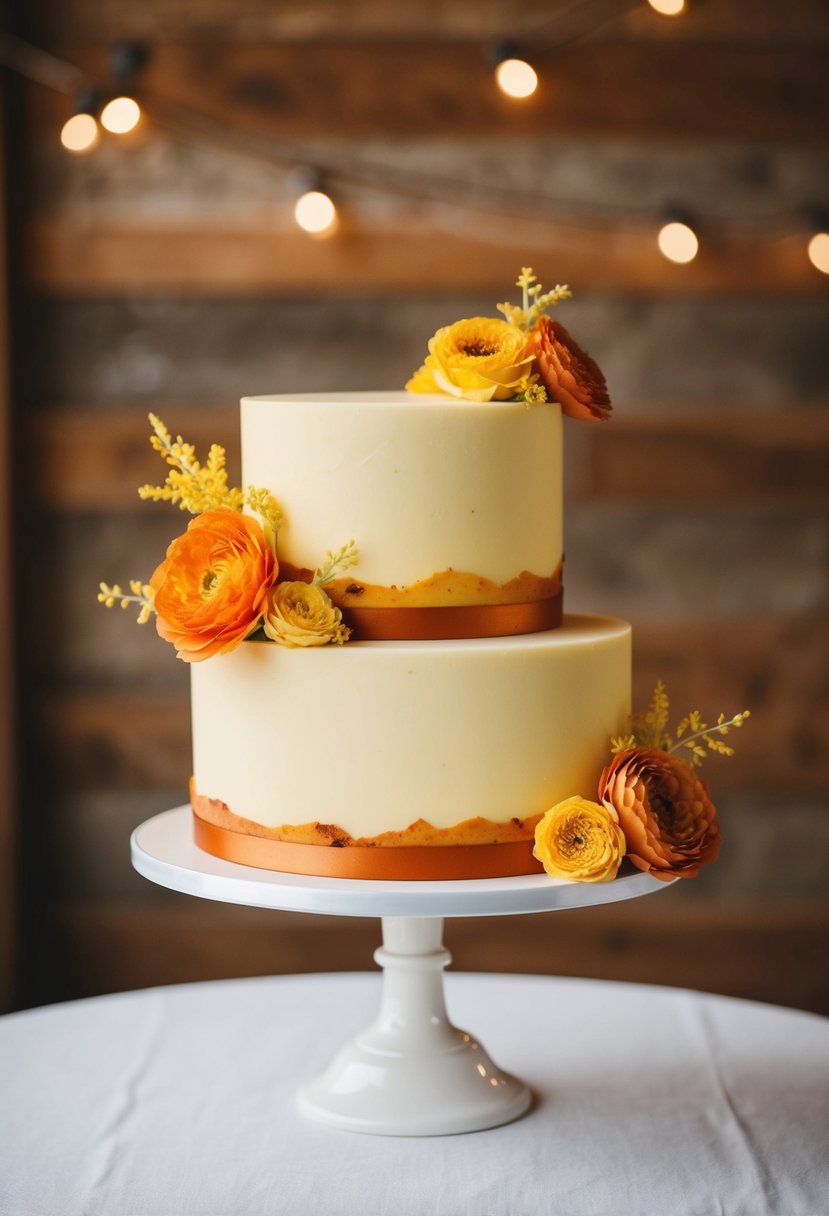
665 811
211 589
570 376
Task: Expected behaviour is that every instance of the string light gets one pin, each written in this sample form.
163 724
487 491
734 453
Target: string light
677 240
514 76
121 115
818 250
668 8
314 211
816 221
80 133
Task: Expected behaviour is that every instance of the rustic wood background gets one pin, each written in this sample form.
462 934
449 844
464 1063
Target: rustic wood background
164 272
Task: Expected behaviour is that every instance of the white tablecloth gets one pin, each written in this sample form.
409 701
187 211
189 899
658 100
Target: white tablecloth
181 1100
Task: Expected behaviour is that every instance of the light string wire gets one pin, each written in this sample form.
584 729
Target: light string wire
39 66
562 29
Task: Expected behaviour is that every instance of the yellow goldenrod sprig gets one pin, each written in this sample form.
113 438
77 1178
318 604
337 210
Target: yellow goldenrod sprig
263 504
142 594
532 392
534 301
650 729
336 563
701 731
194 487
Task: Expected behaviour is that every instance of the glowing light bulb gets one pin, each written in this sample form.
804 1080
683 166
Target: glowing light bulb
516 78
677 242
121 115
819 252
315 213
80 133
668 8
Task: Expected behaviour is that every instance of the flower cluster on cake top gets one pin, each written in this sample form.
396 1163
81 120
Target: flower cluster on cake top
526 357
652 808
221 580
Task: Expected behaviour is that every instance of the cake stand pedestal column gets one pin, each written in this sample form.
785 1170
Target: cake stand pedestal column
411 1072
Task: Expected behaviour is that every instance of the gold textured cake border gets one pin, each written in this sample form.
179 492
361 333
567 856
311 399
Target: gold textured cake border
447 605
445 588
332 857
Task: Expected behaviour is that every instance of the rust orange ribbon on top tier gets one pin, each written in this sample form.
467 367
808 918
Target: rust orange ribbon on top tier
403 863
433 623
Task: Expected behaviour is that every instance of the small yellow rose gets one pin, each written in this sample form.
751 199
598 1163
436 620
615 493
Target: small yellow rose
301 614
478 359
580 840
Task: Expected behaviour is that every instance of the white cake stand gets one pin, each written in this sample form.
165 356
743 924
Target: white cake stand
411 1072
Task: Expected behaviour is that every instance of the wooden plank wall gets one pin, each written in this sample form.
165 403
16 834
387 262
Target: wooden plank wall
164 272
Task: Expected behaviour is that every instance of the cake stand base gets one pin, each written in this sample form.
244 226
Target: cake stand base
411 1072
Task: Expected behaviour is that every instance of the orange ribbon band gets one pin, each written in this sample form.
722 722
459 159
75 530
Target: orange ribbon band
398 863
453 621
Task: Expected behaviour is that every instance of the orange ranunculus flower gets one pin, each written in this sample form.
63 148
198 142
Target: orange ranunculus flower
665 811
570 376
580 840
211 589
477 359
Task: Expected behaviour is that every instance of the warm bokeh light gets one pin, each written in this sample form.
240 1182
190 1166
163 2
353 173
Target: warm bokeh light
678 242
121 115
668 8
315 213
516 78
819 252
80 133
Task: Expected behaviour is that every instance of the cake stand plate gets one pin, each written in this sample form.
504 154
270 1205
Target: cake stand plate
411 1072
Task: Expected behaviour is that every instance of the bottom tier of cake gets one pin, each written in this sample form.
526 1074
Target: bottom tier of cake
390 750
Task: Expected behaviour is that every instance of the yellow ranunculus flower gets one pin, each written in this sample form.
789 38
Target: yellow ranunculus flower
301 614
580 840
479 359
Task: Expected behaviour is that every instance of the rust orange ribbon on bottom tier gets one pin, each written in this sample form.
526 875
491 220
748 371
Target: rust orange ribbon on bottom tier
396 863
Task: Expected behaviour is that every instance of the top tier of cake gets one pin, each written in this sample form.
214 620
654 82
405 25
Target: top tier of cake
451 503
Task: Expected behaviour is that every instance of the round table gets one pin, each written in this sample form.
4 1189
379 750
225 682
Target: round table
181 1100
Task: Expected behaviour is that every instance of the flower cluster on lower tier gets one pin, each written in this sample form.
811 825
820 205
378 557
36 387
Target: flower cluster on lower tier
652 808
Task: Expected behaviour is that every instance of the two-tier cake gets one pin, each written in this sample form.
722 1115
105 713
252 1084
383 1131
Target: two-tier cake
415 704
